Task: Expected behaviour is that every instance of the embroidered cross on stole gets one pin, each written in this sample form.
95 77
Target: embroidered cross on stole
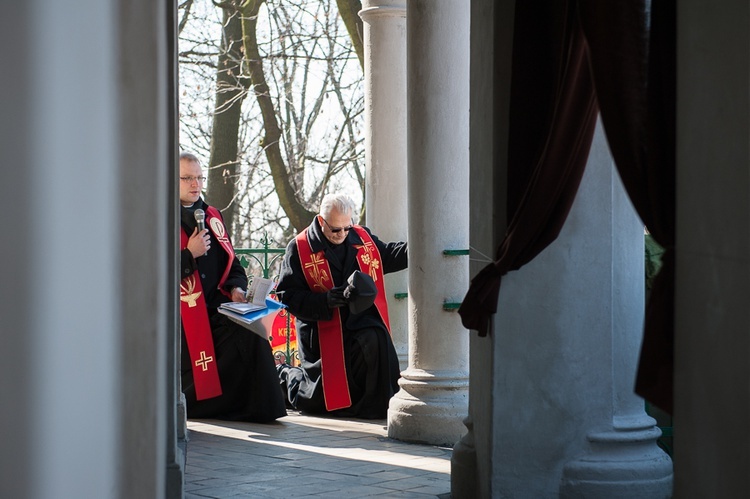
195 316
330 333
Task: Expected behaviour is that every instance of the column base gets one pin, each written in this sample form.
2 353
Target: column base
464 480
621 465
430 407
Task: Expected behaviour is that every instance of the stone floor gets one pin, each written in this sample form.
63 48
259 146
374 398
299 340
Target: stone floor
305 456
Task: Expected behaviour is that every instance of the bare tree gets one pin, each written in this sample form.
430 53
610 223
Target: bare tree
298 214
299 137
185 8
223 161
349 10
198 53
305 53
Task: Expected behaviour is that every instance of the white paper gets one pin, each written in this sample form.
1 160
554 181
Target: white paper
256 296
259 289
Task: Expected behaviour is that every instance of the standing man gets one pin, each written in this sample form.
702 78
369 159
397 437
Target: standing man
349 366
227 371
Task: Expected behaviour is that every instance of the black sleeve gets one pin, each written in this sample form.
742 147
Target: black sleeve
237 277
187 263
395 255
294 292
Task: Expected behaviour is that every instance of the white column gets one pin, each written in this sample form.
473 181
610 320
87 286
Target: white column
566 340
384 24
86 286
491 29
433 399
61 332
622 459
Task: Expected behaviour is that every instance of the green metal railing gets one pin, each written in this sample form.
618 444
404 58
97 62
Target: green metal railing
265 260
664 423
265 257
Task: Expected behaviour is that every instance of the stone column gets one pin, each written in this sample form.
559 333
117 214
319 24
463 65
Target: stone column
61 408
384 24
566 340
491 43
433 399
621 459
86 287
175 410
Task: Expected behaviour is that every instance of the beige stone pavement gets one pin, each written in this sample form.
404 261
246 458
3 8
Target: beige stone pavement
306 456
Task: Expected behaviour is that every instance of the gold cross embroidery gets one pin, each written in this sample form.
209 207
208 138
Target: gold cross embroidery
316 270
203 361
187 286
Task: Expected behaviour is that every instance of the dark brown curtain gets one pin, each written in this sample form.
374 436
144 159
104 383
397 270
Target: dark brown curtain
567 58
552 119
633 61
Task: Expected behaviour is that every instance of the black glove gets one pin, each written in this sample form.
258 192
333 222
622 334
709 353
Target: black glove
360 292
335 297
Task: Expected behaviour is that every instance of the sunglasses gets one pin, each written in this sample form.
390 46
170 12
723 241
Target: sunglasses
336 230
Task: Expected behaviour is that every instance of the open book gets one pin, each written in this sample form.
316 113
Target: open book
256 296
260 321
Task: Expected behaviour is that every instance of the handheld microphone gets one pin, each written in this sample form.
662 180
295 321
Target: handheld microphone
200 218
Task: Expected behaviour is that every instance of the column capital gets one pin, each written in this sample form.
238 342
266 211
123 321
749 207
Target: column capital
385 8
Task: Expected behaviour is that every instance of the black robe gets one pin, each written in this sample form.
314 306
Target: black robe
247 372
371 362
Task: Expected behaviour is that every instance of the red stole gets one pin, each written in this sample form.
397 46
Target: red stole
330 333
195 316
370 262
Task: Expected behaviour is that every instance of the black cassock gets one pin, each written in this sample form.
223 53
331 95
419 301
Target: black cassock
371 362
247 372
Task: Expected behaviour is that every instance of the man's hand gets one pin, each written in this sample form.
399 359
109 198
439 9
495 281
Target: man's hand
238 294
199 243
335 297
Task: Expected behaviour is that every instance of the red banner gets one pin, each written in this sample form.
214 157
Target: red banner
279 334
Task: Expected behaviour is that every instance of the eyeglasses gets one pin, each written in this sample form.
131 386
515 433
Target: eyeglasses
336 230
190 180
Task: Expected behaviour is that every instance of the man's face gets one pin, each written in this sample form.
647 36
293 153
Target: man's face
336 226
190 190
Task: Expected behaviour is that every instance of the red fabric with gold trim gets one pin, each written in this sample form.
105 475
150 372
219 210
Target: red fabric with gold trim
198 334
215 224
331 338
370 262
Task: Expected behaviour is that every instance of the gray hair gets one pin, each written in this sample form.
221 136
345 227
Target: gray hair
337 201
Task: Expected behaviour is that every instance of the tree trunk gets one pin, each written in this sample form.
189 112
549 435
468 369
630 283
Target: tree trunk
223 161
349 10
298 214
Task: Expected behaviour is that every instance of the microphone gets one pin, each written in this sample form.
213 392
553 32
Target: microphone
200 218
